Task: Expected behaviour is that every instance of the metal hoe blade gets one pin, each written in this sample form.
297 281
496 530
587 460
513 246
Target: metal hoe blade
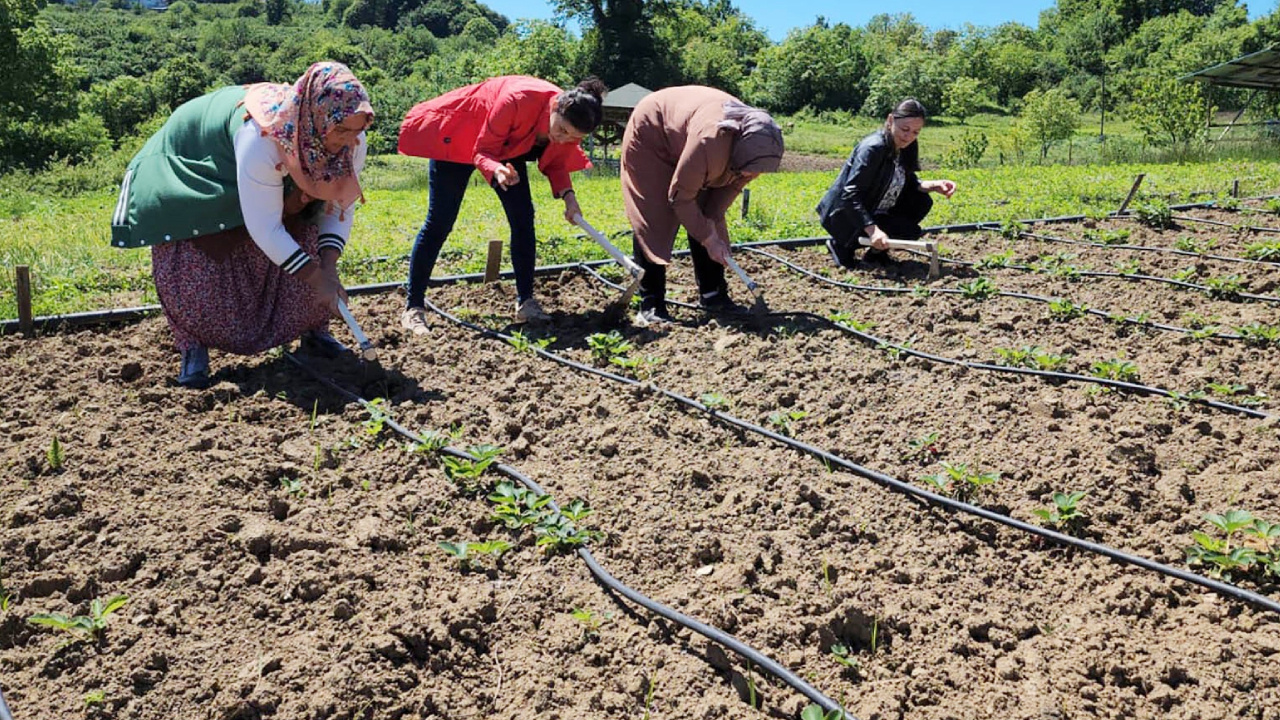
618 307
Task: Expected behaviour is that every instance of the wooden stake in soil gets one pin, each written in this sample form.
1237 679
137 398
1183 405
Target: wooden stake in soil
1132 191
746 202
1235 188
22 287
494 262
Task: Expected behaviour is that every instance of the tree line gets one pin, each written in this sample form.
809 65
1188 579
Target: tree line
87 77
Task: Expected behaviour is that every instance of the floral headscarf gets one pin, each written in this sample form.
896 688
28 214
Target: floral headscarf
297 117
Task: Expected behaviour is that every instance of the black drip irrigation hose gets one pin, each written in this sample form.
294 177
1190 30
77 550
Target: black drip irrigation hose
1207 221
714 634
1142 248
891 483
888 289
1048 374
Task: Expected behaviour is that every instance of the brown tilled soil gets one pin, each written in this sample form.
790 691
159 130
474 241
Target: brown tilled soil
333 600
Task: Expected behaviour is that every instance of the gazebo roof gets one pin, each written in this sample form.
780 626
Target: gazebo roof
1260 70
625 97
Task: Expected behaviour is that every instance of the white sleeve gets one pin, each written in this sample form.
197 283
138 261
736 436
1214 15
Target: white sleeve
261 188
335 227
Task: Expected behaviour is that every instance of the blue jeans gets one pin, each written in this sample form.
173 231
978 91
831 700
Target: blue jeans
447 184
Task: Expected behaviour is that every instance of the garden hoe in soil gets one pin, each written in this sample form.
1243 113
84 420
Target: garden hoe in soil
368 353
925 247
758 308
615 310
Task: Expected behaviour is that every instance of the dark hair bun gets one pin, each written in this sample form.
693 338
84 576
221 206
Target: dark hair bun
594 86
583 106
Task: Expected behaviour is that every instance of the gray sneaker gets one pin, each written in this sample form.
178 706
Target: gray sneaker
414 320
530 311
652 319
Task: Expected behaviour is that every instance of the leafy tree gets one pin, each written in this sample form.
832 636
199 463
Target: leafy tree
122 103
277 11
963 97
819 66
620 43
1167 111
915 73
536 48
1049 116
178 81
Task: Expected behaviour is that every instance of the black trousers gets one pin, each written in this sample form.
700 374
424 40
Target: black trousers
653 288
901 222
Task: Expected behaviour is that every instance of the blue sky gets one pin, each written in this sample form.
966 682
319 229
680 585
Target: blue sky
776 17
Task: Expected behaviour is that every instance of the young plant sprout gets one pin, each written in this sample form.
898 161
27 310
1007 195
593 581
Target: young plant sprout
1115 369
466 552
525 344
714 401
465 472
958 481
1063 309
517 506
979 288
996 260
54 454
1065 512
1260 335
606 346
782 420
1267 251
1154 213
82 628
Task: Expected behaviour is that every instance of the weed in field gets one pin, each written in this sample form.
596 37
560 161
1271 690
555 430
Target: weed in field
293 486
591 620
606 346
525 344
6 596
714 401
82 628
94 697
1266 250
996 260
517 506
980 288
781 420
1065 513
465 472
1154 213
467 553
1227 287
1063 309
957 480
925 448
1260 335
1115 369
841 654
1107 237
54 455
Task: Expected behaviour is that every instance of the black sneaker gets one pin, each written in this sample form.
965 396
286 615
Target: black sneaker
321 344
718 303
194 372
838 257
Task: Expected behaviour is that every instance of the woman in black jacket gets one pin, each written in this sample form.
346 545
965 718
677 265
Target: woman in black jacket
877 194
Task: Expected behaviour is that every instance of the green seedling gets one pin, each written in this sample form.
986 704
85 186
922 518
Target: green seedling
1186 274
959 481
54 454
436 440
606 346
1129 267
1065 512
1227 287
293 486
1272 205
1154 213
525 344
1115 369
1107 237
1012 229
925 448
468 552
82 628
1227 202
6 596
94 697
814 711
996 260
842 655
640 367
1226 389
1058 265
1180 400
465 472
894 352
1063 309
377 420
1031 356
1222 555
558 532
921 292
979 288
1259 335
1266 250
517 507
1186 243
714 401
782 420
591 620
843 317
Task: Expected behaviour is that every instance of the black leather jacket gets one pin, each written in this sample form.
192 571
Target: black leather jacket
850 203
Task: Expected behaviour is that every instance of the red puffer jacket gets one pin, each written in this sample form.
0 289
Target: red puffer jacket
490 123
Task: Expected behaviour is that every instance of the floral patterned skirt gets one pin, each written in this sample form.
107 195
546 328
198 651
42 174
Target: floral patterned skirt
221 291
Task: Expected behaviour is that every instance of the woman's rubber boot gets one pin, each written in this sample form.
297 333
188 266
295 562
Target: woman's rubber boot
195 368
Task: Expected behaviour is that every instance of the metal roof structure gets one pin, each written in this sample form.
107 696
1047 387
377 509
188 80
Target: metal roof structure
1259 71
625 97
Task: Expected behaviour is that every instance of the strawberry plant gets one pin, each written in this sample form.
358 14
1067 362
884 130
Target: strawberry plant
559 532
959 481
1266 250
525 344
1115 369
1107 237
1012 229
925 448
1063 309
1129 267
1273 205
606 346
591 620
1227 287
466 552
1186 243
640 367
1154 213
1031 356
782 420
996 260
465 472
82 628
979 288
841 654
714 401
435 440
1058 265
517 506
894 352
1186 274
1222 555
814 711
1259 335
293 486
843 317
1065 512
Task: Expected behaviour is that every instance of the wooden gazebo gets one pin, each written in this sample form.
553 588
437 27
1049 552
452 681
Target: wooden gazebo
618 105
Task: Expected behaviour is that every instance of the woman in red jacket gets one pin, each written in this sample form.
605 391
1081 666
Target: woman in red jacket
496 126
